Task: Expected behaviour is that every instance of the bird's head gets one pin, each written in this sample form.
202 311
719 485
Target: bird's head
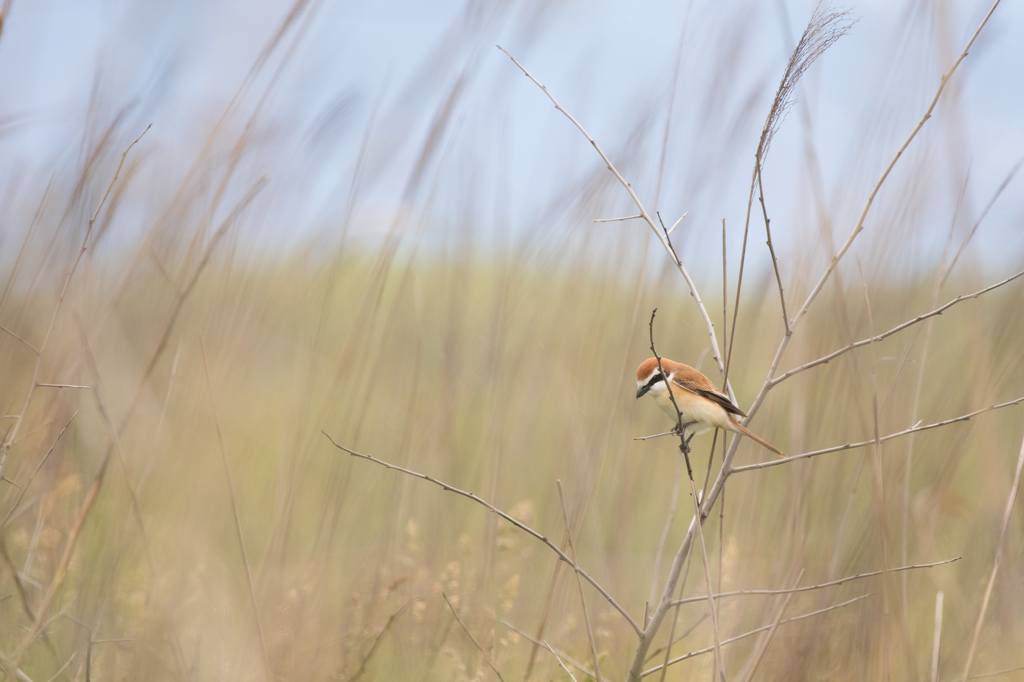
648 375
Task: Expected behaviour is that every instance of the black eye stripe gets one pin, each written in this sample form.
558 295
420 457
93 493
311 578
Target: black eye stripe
654 379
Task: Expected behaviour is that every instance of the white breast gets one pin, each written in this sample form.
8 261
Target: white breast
705 413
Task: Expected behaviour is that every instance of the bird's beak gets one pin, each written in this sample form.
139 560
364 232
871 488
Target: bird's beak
641 391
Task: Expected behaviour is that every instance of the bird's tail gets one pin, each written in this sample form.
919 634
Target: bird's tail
739 428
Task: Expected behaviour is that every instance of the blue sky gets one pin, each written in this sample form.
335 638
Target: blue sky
509 164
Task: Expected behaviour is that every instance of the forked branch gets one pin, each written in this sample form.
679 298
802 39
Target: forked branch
707 650
883 439
518 524
661 234
894 330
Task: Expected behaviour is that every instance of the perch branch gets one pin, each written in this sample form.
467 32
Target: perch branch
851 446
897 328
809 588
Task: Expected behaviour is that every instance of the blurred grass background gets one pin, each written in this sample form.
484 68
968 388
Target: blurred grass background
499 364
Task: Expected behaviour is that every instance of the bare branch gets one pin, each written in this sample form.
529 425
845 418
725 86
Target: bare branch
897 328
615 220
851 446
567 671
576 664
675 224
662 235
878 185
34 349
771 249
809 588
483 653
823 29
62 386
834 263
707 650
657 435
543 538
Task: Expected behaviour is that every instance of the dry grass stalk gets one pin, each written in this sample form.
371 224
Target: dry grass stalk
823 29
469 634
12 436
579 584
995 564
883 526
234 513
936 637
771 633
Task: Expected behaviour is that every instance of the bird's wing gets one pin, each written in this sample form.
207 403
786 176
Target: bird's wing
689 379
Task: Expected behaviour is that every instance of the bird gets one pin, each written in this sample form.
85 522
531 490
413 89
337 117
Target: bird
702 405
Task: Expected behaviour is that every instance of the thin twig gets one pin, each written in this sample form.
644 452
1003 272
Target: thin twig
57 674
771 249
234 513
831 583
572 661
34 349
61 386
670 230
662 237
615 220
851 446
823 29
518 524
36 470
567 671
981 217
995 565
707 650
669 518
897 328
579 583
834 263
472 638
656 435
380 637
